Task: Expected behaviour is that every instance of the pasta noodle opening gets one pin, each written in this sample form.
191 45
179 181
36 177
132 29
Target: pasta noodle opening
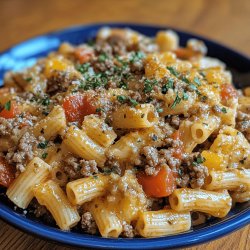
175 201
71 194
151 116
199 133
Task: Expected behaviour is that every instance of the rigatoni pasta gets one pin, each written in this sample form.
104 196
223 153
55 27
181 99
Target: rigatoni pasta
127 136
20 191
217 204
50 195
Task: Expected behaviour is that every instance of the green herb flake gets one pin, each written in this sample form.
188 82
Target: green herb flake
176 101
42 145
137 56
121 98
45 101
197 81
107 171
224 110
199 160
83 68
185 79
123 85
133 102
159 110
44 155
193 87
102 58
95 177
173 71
7 105
28 79
185 96
169 85
149 84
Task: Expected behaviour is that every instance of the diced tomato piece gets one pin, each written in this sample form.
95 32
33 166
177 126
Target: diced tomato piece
160 185
10 110
7 173
83 54
77 106
228 91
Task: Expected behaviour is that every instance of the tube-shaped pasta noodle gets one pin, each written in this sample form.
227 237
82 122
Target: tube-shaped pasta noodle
173 108
218 204
20 191
80 144
185 136
233 179
86 189
50 195
52 125
98 130
163 222
241 196
141 116
59 176
167 40
107 222
128 147
202 129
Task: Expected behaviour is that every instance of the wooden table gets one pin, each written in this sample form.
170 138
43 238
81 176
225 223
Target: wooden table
222 20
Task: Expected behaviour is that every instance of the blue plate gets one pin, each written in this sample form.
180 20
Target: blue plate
25 54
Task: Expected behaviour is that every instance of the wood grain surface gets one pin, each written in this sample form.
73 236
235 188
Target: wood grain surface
225 21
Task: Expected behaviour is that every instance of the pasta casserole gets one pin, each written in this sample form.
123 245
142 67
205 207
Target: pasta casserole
125 136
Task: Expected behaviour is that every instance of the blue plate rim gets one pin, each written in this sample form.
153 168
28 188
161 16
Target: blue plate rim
185 239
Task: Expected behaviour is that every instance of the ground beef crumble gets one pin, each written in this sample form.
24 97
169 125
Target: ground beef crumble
88 223
25 151
76 168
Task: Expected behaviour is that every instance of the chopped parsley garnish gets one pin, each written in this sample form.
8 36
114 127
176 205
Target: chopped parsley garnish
102 58
29 79
169 85
123 85
176 101
83 68
192 86
173 71
107 171
197 81
149 84
224 110
122 98
185 96
7 105
159 110
43 145
44 155
184 79
45 101
95 176
136 56
133 102
199 160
